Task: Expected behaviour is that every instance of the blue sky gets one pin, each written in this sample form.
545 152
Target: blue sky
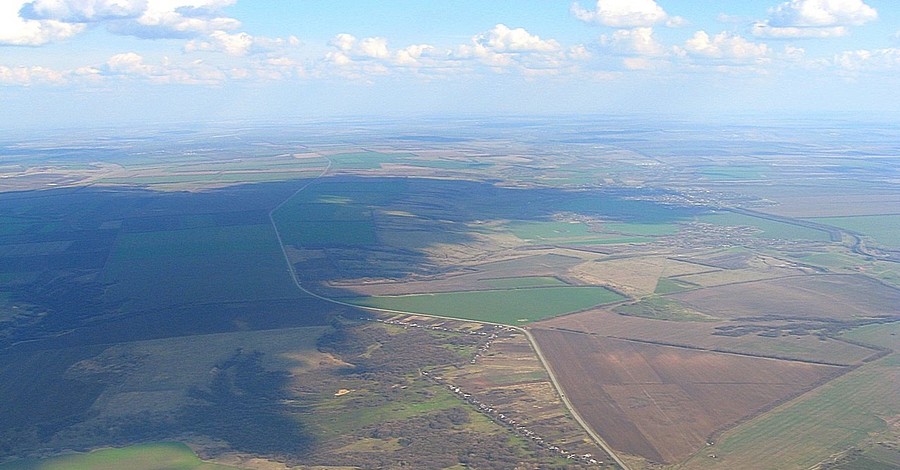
86 62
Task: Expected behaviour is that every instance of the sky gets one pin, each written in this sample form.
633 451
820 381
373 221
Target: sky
88 62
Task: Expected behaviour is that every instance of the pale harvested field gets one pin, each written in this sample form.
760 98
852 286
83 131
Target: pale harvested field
834 297
731 276
663 403
633 276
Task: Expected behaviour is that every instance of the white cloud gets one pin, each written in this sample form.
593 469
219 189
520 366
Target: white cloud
814 18
368 52
887 59
19 31
343 42
578 52
764 30
637 63
503 39
178 18
374 47
638 41
724 46
141 18
239 44
793 53
503 48
411 55
26 76
130 65
500 49
625 13
232 44
83 11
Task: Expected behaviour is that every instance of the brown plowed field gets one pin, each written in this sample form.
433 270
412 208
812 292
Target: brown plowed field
662 403
702 335
833 297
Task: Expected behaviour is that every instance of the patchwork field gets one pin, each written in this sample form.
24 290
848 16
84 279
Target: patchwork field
144 297
664 403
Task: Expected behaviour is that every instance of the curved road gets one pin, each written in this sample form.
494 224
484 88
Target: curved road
534 346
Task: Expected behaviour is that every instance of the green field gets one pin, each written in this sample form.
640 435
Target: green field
507 306
767 228
885 229
670 286
156 456
365 160
734 172
840 415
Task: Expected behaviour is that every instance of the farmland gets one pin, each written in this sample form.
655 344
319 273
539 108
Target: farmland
137 457
882 228
650 393
692 295
510 306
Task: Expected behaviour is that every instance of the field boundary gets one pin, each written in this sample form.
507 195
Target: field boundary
534 346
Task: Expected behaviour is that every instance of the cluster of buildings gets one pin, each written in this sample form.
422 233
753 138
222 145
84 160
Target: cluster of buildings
502 418
436 327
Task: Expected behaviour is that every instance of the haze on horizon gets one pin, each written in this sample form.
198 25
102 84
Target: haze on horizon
85 62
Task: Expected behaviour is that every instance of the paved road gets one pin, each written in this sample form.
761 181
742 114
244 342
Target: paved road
527 334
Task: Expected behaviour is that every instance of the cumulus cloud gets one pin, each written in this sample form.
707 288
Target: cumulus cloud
764 30
861 60
19 31
501 38
814 18
374 53
83 11
502 47
239 44
638 41
411 55
723 46
130 65
178 18
26 76
625 13
499 49
35 22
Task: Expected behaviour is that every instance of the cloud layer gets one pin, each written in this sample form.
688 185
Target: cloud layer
211 49
814 19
